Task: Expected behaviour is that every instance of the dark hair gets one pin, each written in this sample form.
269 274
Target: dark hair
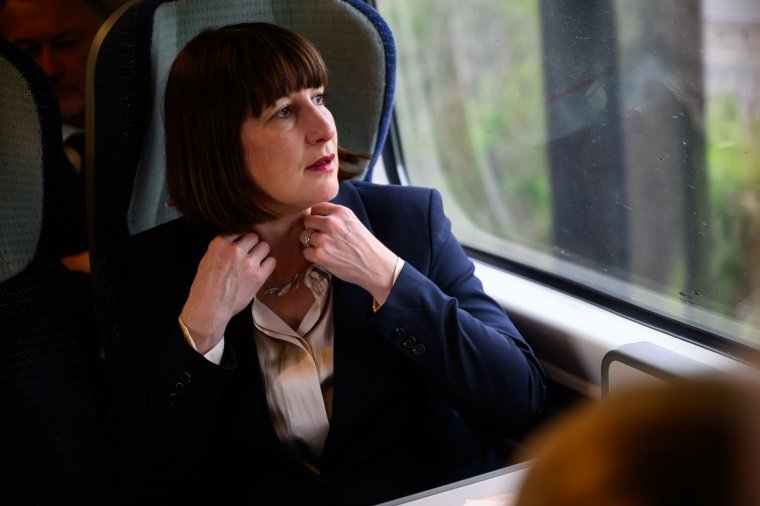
217 79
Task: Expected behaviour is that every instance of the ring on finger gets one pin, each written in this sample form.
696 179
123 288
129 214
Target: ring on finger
307 239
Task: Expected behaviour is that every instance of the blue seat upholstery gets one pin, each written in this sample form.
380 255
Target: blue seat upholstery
49 434
128 193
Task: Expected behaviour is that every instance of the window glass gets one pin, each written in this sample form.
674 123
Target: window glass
609 142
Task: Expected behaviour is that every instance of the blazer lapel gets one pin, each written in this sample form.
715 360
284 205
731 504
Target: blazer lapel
352 306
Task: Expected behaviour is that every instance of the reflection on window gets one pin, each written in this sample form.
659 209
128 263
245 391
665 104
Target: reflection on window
611 142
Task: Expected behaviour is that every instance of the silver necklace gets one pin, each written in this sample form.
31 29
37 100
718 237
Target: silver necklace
294 284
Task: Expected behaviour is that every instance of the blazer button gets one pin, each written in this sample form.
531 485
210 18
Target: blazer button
418 350
408 341
179 388
173 399
186 377
399 333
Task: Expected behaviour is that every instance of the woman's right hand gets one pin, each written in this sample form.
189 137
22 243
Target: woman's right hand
233 269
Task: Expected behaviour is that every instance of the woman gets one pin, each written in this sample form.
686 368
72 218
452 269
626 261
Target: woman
297 337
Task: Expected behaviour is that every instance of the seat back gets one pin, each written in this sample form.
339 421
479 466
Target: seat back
49 443
129 64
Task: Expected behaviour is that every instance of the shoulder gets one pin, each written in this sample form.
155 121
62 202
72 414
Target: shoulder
172 239
387 198
373 190
395 214
162 262
160 233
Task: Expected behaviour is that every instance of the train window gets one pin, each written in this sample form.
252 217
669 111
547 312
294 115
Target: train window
609 143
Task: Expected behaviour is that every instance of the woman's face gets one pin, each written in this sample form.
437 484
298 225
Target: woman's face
291 151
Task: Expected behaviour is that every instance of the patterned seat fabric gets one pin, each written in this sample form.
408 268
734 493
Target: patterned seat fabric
50 450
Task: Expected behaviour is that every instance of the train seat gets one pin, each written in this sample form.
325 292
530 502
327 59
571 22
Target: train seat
49 433
129 63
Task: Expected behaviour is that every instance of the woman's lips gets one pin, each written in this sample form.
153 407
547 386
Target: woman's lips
324 164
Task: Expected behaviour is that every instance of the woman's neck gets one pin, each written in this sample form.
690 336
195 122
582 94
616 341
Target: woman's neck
284 238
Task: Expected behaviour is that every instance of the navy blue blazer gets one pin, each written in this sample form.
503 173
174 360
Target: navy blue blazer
425 390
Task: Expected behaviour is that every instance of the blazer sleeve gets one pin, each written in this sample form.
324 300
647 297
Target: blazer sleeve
164 406
462 342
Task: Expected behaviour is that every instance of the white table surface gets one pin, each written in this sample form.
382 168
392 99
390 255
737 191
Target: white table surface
501 485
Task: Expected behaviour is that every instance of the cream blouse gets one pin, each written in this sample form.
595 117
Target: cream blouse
297 366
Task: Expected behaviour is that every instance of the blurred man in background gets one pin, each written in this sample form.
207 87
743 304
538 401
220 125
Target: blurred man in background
58 35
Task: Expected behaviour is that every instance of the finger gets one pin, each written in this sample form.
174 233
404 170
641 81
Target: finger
320 223
259 252
310 255
307 237
324 208
267 266
247 241
229 237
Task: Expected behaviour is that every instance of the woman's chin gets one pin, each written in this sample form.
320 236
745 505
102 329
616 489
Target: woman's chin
329 191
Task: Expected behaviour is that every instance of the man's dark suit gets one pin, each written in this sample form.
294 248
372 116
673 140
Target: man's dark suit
424 389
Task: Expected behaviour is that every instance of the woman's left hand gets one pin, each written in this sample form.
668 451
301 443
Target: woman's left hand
342 245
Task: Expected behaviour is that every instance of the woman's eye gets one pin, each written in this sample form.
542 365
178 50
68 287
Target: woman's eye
319 99
284 112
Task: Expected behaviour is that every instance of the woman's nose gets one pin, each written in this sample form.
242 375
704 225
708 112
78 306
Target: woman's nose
321 126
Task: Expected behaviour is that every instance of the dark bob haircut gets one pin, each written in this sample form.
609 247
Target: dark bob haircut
217 79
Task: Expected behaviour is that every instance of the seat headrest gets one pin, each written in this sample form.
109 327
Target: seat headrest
21 162
355 42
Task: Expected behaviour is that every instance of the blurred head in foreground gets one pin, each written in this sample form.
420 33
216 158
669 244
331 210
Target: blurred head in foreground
691 442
